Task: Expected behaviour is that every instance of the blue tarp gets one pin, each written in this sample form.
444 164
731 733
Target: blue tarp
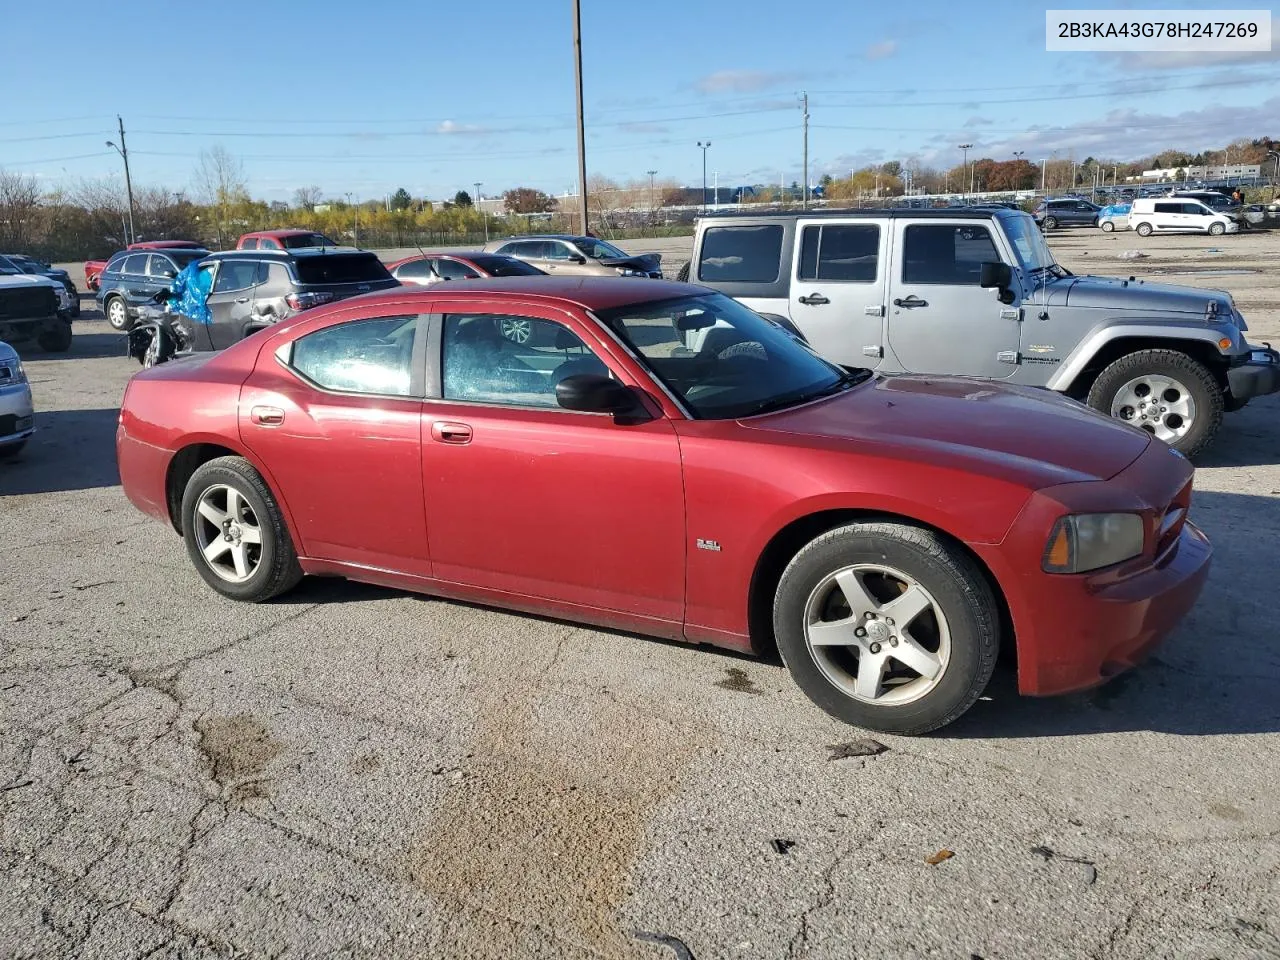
190 289
1115 210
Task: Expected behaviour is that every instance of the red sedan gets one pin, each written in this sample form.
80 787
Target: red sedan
688 470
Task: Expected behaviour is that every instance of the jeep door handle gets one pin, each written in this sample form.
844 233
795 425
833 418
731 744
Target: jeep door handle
911 302
443 431
814 300
242 299
267 416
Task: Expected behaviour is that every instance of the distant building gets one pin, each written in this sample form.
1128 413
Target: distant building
1235 171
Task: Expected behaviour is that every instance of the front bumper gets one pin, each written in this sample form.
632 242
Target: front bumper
1256 377
17 414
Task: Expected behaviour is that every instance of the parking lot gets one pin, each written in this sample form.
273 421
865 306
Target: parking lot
356 772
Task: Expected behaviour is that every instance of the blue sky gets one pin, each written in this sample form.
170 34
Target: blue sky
432 97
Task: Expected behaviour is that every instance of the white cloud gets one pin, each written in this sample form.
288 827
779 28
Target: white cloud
741 81
451 127
881 50
1151 60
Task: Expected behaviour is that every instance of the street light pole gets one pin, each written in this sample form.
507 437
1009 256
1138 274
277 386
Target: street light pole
128 182
704 147
355 207
652 174
964 173
1017 158
483 213
582 136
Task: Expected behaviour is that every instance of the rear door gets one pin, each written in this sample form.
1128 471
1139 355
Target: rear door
838 288
1168 217
939 319
231 301
133 278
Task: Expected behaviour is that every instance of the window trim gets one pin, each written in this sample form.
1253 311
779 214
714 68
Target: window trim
218 275
418 376
804 227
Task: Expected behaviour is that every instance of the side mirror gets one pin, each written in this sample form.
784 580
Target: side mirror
996 274
595 393
578 258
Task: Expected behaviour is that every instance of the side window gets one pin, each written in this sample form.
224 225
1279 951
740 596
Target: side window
845 253
235 275
453 270
557 250
415 270
250 244
741 254
1168 208
268 244
936 253
362 356
135 263
1196 209
162 267
511 360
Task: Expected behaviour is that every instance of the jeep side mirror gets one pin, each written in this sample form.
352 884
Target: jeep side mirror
996 274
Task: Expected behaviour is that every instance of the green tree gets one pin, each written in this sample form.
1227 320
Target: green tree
400 200
462 199
893 168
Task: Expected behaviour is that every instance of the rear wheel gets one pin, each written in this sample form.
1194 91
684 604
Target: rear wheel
1144 229
117 313
1050 222
1170 395
887 626
56 337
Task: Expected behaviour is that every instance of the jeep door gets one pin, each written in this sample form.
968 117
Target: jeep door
838 288
939 319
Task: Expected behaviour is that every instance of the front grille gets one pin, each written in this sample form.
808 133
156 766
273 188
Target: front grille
8 424
21 303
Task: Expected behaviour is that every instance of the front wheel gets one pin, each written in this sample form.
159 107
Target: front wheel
235 532
1144 229
1216 229
1050 222
118 314
887 626
55 338
1108 226
1170 395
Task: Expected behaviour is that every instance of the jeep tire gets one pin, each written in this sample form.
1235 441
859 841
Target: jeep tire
1165 392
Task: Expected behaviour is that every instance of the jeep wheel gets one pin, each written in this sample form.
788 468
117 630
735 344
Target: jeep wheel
1144 229
1169 394
55 338
1050 222
1108 226
683 273
1216 229
118 314
887 626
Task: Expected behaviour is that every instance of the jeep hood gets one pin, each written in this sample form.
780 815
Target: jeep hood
1117 293
1032 437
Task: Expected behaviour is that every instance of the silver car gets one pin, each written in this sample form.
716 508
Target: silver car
17 413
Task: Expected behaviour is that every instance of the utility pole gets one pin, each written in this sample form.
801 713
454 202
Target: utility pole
804 195
652 210
964 170
582 135
716 191
705 147
356 208
128 182
1043 166
483 213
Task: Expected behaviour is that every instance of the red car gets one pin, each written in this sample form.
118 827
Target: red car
282 240
93 268
686 469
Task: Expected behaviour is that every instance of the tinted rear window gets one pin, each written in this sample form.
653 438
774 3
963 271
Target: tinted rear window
741 254
307 240
505 267
183 257
341 268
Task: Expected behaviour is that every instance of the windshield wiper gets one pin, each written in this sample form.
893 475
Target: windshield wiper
842 382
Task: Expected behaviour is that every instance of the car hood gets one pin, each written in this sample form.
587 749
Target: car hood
641 261
1118 293
27 280
1027 436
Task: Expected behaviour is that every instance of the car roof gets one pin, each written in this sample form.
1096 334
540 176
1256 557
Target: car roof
590 293
279 234
290 254
570 237
893 213
457 254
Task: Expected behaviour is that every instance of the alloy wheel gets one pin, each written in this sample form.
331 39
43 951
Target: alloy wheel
228 533
117 314
1158 404
516 330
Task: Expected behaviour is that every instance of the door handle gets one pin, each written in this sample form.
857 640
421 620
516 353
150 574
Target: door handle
444 431
267 416
814 300
242 299
911 302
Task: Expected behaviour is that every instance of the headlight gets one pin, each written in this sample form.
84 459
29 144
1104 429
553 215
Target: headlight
19 374
1089 541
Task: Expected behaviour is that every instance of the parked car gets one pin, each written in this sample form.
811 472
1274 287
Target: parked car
252 289
978 293
567 254
31 311
92 273
282 240
132 278
36 267
425 269
1218 202
93 268
1066 212
1114 217
1179 215
909 526
17 412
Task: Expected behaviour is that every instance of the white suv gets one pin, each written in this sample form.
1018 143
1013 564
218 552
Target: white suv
1178 215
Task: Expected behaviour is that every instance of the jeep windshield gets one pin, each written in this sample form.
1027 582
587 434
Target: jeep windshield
722 360
1028 243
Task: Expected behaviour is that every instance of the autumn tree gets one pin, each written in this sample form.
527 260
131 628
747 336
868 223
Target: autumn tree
220 181
306 198
527 200
19 203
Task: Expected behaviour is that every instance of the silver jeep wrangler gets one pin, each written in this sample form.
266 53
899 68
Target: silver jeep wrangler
977 293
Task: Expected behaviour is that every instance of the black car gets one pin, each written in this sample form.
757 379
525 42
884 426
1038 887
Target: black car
1066 212
132 278
252 289
31 265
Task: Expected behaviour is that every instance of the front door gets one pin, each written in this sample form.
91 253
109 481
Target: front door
939 319
525 497
231 300
336 417
838 287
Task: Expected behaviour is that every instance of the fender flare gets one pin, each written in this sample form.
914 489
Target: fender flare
1108 331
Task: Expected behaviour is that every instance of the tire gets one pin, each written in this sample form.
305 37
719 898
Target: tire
155 352
1108 226
960 623
56 338
682 274
117 312
272 568
1124 380
1143 229
1050 223
1216 229
10 450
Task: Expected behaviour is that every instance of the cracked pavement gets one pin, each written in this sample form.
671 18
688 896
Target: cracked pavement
355 772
